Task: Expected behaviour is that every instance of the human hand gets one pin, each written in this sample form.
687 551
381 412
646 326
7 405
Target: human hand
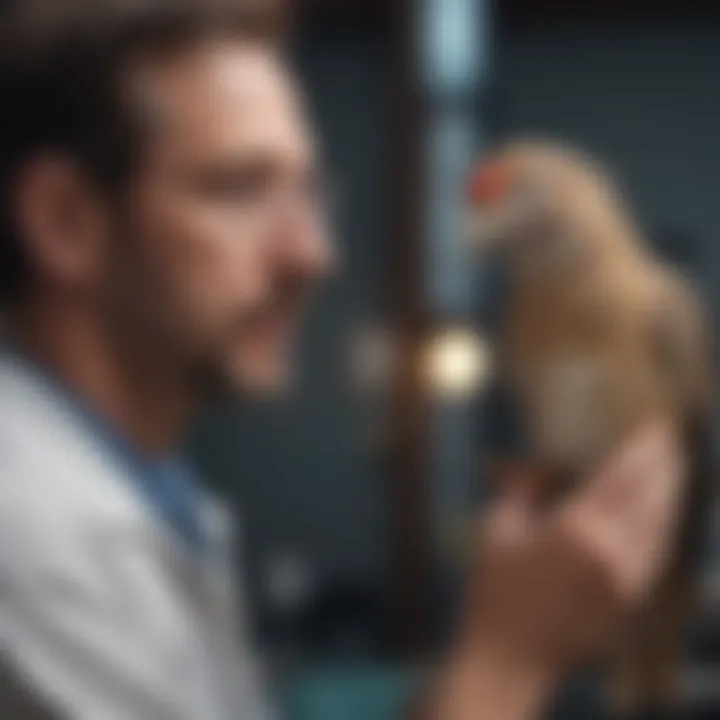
551 590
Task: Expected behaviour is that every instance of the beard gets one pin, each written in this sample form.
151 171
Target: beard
196 340
257 355
245 354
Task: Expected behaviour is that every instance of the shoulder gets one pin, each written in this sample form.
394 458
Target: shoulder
58 494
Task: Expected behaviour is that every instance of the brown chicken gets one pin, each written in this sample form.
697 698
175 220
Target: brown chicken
597 336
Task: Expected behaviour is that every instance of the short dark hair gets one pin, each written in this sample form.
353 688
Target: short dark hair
62 69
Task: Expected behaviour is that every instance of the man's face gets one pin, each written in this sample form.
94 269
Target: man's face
225 230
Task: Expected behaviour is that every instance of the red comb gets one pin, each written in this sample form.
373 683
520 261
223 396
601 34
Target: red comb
490 183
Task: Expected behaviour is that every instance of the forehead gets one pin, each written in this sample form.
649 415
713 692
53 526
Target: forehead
224 97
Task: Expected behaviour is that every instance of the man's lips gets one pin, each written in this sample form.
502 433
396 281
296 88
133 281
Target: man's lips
277 322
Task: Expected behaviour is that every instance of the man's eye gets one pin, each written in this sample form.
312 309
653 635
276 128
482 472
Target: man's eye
237 184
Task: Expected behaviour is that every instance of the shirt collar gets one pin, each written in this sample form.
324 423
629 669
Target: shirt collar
166 484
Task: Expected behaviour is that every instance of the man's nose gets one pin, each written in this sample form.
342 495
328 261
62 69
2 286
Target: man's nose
309 249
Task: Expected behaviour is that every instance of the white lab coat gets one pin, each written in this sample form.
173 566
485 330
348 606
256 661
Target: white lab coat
104 613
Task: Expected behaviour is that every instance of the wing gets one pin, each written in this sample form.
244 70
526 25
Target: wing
682 346
683 343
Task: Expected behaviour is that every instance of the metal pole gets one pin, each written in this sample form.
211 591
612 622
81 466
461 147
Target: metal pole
452 57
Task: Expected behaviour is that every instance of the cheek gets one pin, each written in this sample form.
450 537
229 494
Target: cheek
212 257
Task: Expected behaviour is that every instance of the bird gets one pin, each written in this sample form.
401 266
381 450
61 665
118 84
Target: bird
598 335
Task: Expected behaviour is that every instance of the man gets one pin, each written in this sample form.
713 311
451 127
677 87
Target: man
160 224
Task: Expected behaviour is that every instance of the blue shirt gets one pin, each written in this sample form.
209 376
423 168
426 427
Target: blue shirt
166 484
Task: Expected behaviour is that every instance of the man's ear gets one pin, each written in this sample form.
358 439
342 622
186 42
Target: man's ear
61 221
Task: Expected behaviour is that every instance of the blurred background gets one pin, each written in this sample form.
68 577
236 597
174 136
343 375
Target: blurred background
357 492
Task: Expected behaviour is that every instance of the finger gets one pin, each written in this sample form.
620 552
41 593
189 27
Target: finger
607 507
654 493
626 475
641 537
651 525
622 476
659 490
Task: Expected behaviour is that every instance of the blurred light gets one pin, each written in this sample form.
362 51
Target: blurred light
457 363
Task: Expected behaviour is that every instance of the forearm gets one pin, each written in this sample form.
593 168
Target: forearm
484 686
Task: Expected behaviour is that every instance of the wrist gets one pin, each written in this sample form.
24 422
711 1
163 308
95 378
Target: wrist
500 683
